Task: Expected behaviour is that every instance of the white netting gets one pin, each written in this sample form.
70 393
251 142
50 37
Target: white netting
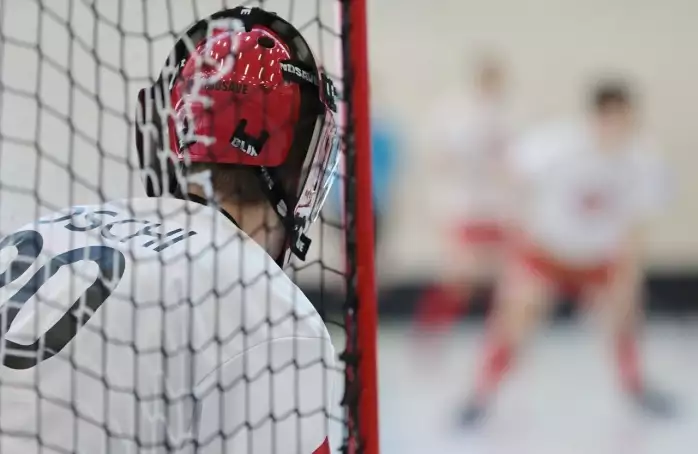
70 71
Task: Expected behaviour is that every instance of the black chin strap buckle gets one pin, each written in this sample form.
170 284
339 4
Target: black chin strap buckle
300 245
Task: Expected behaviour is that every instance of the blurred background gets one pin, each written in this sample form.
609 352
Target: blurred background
442 73
562 395
552 53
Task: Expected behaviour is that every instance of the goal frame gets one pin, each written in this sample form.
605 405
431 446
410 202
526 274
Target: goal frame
361 395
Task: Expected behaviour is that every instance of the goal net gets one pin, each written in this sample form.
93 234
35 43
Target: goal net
70 72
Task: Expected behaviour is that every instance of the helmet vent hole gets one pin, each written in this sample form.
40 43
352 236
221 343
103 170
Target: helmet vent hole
266 42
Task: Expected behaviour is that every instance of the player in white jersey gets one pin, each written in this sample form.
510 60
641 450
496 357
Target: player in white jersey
468 134
166 324
587 189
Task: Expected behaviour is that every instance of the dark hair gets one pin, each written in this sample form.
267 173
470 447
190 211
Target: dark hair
611 93
233 183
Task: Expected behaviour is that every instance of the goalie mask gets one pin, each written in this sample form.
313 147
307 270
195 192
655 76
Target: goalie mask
242 88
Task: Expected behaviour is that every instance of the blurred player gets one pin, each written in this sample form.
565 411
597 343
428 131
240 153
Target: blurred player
467 135
587 188
174 328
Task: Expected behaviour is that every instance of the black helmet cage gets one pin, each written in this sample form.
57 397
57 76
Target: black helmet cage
163 173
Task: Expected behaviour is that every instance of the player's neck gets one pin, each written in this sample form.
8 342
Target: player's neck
259 222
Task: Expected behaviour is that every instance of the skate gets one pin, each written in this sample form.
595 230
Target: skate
473 413
654 403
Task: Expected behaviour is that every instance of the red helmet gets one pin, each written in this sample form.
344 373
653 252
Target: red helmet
242 87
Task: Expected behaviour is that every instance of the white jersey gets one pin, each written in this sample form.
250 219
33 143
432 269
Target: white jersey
192 338
582 202
471 137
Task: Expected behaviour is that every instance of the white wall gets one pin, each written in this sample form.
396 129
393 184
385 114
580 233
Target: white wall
418 50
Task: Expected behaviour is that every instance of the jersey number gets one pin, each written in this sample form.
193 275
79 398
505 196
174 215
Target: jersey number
29 244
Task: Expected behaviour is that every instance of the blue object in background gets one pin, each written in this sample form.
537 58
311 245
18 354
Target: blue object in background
383 148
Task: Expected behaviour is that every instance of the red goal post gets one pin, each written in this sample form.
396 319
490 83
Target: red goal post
359 233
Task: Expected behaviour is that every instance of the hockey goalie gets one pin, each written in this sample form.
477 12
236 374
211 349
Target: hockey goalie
165 323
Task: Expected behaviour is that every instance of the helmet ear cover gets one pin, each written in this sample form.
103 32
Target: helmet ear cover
164 173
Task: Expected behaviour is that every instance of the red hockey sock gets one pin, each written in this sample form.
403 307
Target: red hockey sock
628 362
498 356
439 308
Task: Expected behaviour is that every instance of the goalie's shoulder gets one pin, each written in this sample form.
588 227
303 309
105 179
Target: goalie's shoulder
167 239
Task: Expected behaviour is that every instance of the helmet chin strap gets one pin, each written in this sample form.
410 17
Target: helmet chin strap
296 241
295 244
